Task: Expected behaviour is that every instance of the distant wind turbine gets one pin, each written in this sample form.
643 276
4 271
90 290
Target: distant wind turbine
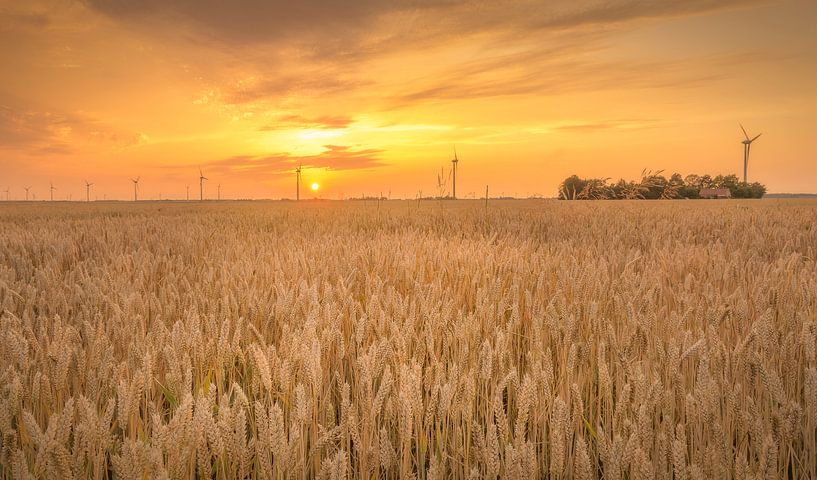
27 189
187 195
298 183
7 194
202 178
219 192
747 145
52 188
135 187
454 163
88 191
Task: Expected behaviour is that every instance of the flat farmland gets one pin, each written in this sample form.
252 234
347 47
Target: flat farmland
405 339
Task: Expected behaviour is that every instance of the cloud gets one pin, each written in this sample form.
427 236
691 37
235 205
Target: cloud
341 25
281 50
257 20
280 54
334 157
49 133
323 122
588 127
15 20
259 89
607 12
544 76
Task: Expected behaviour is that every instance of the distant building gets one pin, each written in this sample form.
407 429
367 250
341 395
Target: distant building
715 193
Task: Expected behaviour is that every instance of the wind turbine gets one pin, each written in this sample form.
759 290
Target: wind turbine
27 189
88 191
7 194
135 186
298 183
52 188
219 192
747 145
454 163
202 178
187 196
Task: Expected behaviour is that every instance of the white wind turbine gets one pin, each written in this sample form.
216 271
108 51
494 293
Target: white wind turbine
88 191
52 188
747 145
298 183
135 187
202 178
454 163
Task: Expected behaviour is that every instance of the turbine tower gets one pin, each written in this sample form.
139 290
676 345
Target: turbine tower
219 192
135 187
52 188
202 178
88 191
298 183
187 195
747 145
7 194
454 163
27 189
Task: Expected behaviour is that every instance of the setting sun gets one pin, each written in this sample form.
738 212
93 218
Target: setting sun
315 187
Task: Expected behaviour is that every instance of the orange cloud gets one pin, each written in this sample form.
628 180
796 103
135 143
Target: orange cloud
334 157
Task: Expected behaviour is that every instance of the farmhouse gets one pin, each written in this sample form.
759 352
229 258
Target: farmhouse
715 193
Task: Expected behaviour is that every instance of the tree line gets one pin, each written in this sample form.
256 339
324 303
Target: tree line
654 186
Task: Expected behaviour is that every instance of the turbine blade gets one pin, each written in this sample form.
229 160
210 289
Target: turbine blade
758 136
744 131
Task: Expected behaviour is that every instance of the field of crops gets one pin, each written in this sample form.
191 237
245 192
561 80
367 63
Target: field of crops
623 340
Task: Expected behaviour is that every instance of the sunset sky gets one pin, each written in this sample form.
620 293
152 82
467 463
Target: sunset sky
372 95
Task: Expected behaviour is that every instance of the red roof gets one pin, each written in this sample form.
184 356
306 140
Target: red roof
715 193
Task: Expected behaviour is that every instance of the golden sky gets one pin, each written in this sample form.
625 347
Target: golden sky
372 95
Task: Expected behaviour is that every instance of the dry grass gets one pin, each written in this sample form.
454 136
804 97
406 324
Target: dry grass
623 340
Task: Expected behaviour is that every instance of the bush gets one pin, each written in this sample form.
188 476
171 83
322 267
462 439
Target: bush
653 186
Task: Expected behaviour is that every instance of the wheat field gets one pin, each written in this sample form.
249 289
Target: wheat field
531 339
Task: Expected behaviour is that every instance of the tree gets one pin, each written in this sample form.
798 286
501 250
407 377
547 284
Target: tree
692 180
655 186
571 187
757 190
595 189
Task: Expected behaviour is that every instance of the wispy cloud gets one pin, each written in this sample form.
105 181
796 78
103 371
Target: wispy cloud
22 20
323 122
333 157
335 22
589 127
48 133
544 76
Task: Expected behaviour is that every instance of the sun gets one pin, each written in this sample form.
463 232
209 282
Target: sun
315 187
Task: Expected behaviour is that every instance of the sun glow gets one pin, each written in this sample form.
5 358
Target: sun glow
315 187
